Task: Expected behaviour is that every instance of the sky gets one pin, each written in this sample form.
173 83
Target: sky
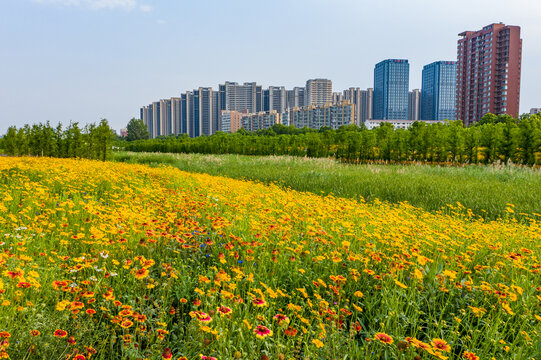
84 60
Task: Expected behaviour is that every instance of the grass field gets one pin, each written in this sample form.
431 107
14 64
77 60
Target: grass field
486 190
122 261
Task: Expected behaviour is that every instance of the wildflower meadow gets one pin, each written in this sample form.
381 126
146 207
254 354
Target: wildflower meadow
103 260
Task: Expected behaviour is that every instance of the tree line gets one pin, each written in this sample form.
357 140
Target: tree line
93 141
498 138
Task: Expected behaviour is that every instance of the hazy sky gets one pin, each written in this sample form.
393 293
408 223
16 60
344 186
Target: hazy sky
84 60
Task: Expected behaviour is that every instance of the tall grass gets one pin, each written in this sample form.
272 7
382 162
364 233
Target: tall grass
486 190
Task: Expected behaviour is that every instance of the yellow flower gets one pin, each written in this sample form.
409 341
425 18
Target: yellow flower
317 343
398 283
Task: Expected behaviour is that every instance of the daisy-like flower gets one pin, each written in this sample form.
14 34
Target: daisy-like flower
23 285
167 354
141 273
262 332
280 318
90 312
139 317
79 357
204 357
224 310
384 338
318 343
14 274
440 344
125 313
470 356
126 324
59 333
201 316
4 335
34 332
290 331
76 305
259 302
418 343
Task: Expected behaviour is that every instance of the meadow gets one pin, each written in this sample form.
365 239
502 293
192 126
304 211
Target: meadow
485 189
107 260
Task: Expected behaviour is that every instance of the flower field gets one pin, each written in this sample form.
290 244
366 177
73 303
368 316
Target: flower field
116 261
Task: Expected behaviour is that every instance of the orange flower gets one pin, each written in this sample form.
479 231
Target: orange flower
224 310
167 354
76 305
470 356
290 331
262 332
60 333
440 344
126 324
139 317
90 312
259 302
34 332
141 273
384 338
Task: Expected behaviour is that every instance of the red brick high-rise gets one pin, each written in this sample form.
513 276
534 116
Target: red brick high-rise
488 72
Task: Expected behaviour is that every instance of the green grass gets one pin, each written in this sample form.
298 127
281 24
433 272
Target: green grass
486 190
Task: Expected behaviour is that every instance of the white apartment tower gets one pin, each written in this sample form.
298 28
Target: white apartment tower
318 92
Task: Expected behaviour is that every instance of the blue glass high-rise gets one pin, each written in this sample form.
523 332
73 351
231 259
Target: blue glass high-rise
391 90
438 93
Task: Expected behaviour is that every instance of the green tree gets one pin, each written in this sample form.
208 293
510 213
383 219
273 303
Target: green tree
9 141
74 141
137 130
104 140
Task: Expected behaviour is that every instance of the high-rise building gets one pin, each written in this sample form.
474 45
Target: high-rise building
146 116
337 97
391 89
275 98
233 96
176 109
353 95
203 119
438 94
258 98
316 117
488 72
261 120
295 97
215 113
165 117
534 111
367 103
230 121
414 107
318 92
362 99
156 117
185 113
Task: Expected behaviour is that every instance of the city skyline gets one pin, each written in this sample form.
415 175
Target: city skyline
87 60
